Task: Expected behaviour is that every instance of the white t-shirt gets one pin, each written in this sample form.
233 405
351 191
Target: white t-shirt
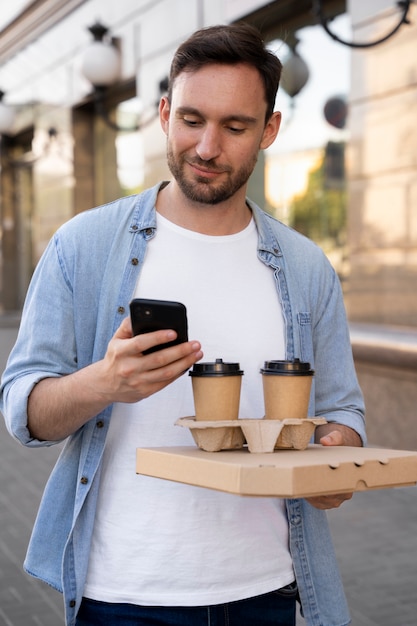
162 543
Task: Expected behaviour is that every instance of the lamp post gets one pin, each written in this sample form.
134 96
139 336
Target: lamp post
7 116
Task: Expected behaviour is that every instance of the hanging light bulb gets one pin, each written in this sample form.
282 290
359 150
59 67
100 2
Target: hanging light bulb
101 63
295 74
102 67
335 111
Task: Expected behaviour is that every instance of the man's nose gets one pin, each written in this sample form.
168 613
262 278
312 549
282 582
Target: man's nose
208 146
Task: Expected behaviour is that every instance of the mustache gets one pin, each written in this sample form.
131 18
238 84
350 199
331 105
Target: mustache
208 165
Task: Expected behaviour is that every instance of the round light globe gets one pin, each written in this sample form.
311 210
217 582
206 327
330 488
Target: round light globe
295 74
101 65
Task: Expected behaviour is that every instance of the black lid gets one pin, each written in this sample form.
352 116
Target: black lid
295 367
218 368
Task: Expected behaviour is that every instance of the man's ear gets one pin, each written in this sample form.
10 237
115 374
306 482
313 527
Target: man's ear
271 130
164 111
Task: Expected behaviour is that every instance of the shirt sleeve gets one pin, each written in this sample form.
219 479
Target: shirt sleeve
45 346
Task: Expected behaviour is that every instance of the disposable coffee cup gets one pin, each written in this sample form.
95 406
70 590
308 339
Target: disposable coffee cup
216 390
286 388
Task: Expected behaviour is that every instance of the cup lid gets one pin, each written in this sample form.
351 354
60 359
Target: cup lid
216 368
294 367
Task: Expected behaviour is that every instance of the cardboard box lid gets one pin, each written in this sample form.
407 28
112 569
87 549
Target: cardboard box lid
317 470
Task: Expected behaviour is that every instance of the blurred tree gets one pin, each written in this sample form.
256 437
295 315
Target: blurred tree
320 212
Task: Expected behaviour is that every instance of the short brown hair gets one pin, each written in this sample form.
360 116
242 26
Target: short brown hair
229 45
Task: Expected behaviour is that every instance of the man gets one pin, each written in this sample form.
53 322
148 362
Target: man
128 549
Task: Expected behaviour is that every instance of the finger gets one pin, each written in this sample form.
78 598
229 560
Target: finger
334 438
171 362
329 502
154 372
162 365
150 339
146 341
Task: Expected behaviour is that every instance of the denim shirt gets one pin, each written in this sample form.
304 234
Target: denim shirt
78 296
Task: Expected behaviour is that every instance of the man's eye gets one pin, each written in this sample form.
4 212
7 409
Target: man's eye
191 121
236 130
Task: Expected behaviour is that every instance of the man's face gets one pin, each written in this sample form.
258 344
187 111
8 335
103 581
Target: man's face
215 126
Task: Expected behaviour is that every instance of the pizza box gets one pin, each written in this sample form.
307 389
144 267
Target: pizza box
316 470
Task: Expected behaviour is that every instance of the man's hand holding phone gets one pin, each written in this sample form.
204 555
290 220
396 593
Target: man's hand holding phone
157 353
57 407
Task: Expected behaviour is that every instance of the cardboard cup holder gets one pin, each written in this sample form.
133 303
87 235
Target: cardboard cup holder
260 435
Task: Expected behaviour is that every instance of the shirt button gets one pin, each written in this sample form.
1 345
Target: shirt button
148 231
72 603
135 261
100 424
121 309
84 480
134 227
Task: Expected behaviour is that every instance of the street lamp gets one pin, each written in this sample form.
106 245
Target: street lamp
7 116
102 67
101 63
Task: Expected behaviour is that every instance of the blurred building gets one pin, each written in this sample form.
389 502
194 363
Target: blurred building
65 151
383 172
63 154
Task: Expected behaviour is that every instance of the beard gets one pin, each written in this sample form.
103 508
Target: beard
204 190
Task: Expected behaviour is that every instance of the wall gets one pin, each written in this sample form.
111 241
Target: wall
383 170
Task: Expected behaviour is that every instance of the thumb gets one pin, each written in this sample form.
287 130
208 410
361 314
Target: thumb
334 438
125 329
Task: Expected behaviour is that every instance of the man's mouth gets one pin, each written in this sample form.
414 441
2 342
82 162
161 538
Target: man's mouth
205 172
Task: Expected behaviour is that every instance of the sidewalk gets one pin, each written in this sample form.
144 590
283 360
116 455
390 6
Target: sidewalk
374 535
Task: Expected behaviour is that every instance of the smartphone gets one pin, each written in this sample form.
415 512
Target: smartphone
150 315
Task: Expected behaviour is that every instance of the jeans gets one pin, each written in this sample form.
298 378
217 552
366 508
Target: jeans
271 609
